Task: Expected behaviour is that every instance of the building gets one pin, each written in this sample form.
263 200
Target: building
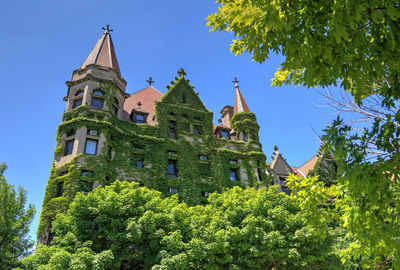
166 142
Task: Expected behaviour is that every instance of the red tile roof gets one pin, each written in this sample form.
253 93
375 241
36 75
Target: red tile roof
103 53
147 97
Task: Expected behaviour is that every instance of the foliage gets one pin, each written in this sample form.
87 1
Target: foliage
322 41
126 141
325 168
136 228
14 223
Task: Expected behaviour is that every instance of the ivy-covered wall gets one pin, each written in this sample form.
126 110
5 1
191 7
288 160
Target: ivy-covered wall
183 139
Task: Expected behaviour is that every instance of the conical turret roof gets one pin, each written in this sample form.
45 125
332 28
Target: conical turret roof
103 53
240 103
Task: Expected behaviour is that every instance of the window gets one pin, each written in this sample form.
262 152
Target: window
171 152
115 110
186 127
138 147
79 92
259 172
173 190
91 147
60 189
286 190
203 157
87 173
205 194
172 133
233 175
172 169
69 146
225 134
76 103
196 129
138 162
97 103
98 92
183 99
62 173
245 137
140 118
116 101
92 132
282 180
233 161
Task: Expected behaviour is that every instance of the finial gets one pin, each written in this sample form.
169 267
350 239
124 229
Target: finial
219 120
139 103
275 148
107 29
181 72
150 80
235 81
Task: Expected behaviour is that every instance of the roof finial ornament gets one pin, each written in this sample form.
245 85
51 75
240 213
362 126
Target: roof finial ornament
150 80
139 103
219 121
276 148
181 72
235 81
107 29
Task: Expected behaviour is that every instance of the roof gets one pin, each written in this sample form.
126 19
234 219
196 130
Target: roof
103 53
308 165
147 96
240 103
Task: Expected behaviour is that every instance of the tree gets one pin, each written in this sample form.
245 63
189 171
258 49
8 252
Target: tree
14 223
353 43
124 226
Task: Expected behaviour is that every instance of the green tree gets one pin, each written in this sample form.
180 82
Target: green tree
123 226
14 223
325 167
354 44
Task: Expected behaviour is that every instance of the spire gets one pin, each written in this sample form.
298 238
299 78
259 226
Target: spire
103 53
240 103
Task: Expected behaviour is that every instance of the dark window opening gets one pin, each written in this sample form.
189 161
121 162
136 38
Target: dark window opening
62 173
92 132
87 173
173 190
138 162
259 172
183 99
97 103
76 103
172 169
197 118
172 133
115 110
205 194
138 147
203 157
109 153
185 115
282 180
233 175
60 189
186 127
79 92
98 92
116 101
245 137
225 134
91 147
171 113
172 152
69 147
196 129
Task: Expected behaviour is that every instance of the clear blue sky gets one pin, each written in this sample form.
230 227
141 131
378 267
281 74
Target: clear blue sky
42 42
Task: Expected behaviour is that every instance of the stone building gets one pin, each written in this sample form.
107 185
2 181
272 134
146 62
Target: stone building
166 142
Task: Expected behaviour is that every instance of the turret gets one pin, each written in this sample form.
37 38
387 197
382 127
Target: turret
243 121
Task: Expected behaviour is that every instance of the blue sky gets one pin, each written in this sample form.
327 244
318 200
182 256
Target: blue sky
42 42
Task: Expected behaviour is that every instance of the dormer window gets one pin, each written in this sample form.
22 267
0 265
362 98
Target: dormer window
140 118
224 134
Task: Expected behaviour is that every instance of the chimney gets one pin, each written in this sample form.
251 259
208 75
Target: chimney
226 115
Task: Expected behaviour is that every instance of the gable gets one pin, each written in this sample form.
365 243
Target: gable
181 93
281 167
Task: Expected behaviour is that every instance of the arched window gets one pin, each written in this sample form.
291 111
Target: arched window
98 92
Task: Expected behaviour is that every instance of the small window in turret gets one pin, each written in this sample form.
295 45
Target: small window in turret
225 134
115 110
91 147
69 146
245 137
172 133
60 189
79 92
233 175
183 99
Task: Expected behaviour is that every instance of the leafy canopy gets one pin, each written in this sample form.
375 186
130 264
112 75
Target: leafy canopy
355 42
123 226
14 223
